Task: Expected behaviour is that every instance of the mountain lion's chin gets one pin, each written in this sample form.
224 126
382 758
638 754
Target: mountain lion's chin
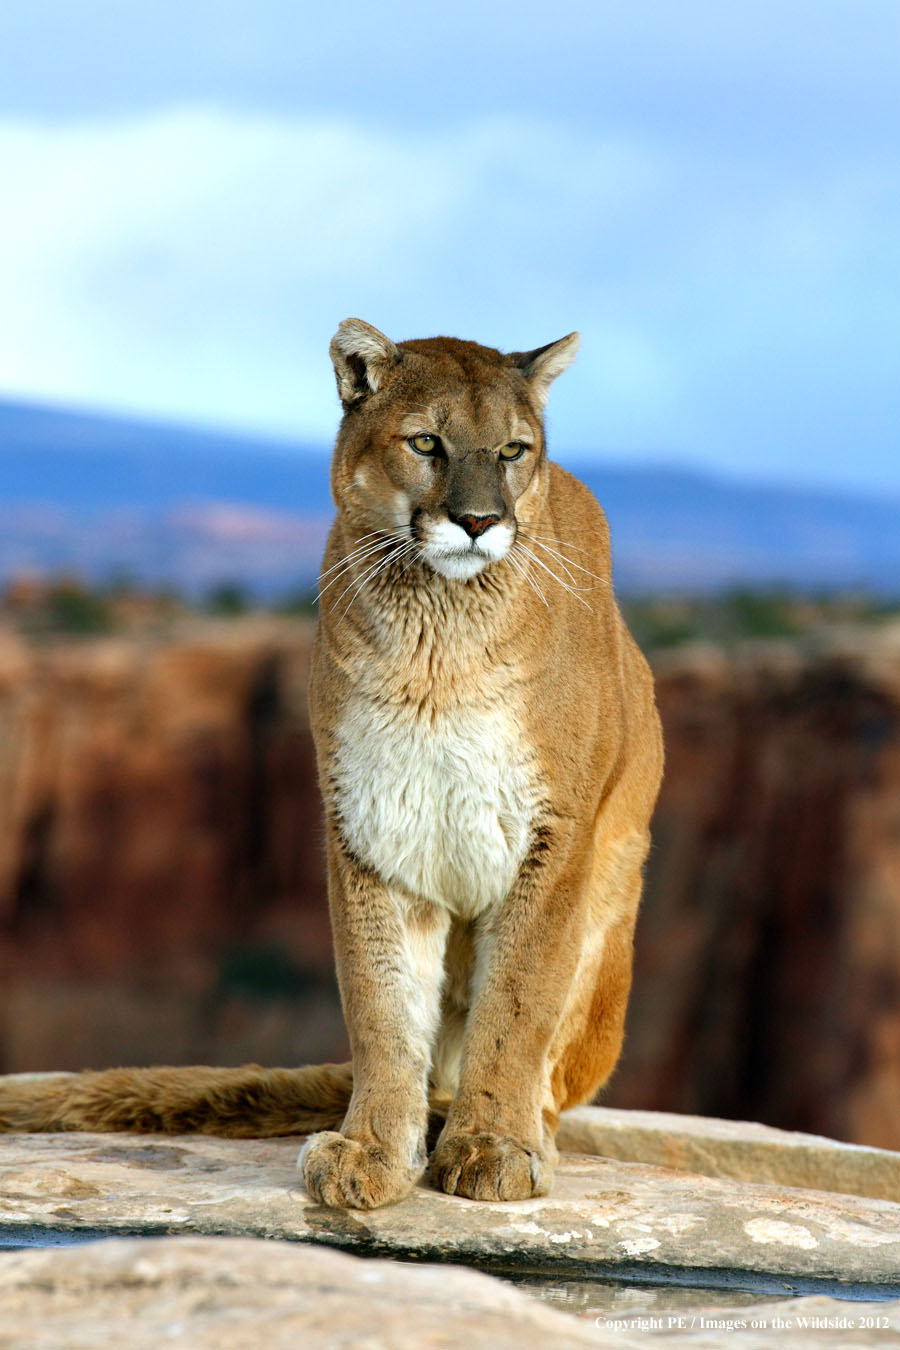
449 552
457 566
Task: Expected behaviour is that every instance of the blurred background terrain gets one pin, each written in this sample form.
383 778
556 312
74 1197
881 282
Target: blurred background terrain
194 195
162 893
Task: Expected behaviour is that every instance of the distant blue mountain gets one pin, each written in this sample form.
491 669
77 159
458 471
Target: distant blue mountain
164 502
676 528
85 461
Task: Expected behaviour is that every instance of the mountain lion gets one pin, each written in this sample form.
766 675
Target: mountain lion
489 755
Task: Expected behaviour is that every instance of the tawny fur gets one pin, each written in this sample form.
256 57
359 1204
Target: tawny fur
489 756
246 1103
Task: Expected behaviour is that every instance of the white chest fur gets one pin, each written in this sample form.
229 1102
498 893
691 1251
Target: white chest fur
442 809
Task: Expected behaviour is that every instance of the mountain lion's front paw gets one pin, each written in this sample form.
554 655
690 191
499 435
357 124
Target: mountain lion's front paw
345 1174
490 1167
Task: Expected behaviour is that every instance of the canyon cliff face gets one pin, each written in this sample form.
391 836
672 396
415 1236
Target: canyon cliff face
162 892
767 979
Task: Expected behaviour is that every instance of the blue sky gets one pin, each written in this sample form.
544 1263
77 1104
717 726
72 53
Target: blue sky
195 193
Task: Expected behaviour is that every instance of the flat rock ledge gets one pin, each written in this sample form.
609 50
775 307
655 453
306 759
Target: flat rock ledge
605 1219
739 1149
243 1293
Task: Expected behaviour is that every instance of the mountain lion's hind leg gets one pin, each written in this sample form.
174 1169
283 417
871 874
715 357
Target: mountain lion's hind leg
390 967
587 1045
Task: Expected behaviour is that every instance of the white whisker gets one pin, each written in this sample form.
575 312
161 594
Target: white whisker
351 563
362 549
557 579
368 565
348 563
372 534
356 552
372 569
564 560
563 542
516 555
399 551
416 555
529 580
528 572
527 563
572 578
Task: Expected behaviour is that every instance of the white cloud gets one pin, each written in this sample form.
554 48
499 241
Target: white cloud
194 263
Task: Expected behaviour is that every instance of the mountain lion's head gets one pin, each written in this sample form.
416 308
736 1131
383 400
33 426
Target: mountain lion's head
441 440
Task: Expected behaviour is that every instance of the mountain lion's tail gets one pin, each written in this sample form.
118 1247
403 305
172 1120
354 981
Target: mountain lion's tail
245 1103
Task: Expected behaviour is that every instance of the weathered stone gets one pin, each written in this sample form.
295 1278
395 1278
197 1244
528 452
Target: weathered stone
230 1293
738 1149
604 1218
241 1293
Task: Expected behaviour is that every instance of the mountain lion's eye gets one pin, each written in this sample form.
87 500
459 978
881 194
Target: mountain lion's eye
425 444
513 450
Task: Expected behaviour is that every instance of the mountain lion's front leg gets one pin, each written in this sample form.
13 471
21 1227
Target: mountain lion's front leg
390 965
497 1143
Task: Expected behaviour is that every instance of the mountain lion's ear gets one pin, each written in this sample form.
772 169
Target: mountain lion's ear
542 366
362 358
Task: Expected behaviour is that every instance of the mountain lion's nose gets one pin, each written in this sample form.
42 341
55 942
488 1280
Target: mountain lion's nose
475 525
